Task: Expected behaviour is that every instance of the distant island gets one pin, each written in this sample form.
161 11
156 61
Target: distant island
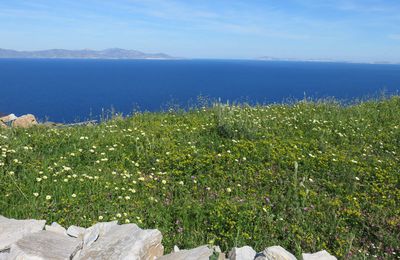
113 53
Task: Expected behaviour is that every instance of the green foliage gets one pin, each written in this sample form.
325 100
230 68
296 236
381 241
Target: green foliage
307 176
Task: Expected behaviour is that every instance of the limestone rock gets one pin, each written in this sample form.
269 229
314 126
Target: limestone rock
75 231
125 242
9 118
242 253
45 245
321 255
4 255
100 229
2 125
25 121
55 227
11 230
199 253
275 253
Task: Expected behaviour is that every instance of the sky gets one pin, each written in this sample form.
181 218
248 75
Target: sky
357 30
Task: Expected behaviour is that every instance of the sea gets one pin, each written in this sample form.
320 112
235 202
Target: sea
69 91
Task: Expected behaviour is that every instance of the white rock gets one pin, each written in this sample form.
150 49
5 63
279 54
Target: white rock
4 255
321 255
125 242
242 253
176 248
45 245
199 253
11 230
100 229
75 231
275 253
55 227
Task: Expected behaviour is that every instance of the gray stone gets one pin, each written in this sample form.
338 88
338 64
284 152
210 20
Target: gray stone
75 231
242 253
125 242
45 245
11 230
199 253
100 229
275 253
4 255
55 227
321 255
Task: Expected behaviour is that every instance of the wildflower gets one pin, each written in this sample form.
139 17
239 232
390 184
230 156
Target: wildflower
118 215
181 183
127 197
164 181
127 221
357 178
10 173
228 190
100 217
73 195
48 197
35 194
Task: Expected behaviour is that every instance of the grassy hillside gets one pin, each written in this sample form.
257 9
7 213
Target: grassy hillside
307 176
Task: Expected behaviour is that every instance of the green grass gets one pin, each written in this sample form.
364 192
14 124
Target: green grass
307 176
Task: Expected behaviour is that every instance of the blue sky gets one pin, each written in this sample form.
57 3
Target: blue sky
359 30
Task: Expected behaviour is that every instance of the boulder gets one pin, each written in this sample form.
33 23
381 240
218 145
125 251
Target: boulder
55 227
242 253
125 242
11 230
100 229
9 118
45 245
75 231
275 253
25 121
4 255
199 253
321 255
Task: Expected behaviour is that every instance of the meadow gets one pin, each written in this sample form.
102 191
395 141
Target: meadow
307 176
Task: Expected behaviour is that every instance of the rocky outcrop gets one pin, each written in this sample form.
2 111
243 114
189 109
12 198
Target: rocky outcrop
34 240
25 121
45 245
321 255
242 253
12 230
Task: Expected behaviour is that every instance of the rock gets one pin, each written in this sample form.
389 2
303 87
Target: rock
45 245
125 242
275 253
2 125
75 231
199 253
11 230
55 227
176 249
242 253
25 121
100 229
9 118
321 255
4 255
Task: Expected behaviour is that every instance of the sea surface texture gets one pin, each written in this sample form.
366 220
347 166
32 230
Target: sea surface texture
74 90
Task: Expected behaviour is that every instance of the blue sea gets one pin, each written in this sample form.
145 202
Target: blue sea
73 90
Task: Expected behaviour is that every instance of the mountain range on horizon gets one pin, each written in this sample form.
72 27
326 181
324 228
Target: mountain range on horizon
112 53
